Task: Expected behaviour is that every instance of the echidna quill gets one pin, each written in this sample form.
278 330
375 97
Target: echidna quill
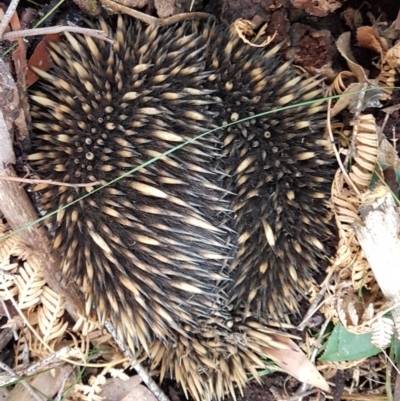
190 255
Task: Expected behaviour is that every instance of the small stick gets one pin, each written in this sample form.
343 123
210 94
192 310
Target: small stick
148 19
7 16
150 383
63 184
31 391
96 33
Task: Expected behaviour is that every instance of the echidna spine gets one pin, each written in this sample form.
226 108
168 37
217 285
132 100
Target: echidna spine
189 255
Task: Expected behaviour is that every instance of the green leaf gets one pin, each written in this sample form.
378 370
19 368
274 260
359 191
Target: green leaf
396 349
345 346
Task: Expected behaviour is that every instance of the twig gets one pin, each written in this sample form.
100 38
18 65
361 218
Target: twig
67 371
312 309
301 392
153 20
14 333
29 388
55 357
96 33
7 16
64 184
150 383
17 207
389 369
356 122
338 158
18 211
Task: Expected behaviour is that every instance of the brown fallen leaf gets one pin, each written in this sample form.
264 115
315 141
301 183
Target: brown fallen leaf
140 393
40 58
368 37
47 383
117 389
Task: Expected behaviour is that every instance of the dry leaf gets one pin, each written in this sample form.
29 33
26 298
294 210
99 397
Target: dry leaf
47 383
343 45
140 393
116 389
350 96
40 58
368 38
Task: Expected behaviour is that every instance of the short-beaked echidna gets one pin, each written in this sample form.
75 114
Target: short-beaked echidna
193 253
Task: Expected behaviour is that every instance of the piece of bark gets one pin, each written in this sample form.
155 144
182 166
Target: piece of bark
379 238
18 211
16 205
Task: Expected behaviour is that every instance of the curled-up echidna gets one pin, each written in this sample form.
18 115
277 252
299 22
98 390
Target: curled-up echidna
191 254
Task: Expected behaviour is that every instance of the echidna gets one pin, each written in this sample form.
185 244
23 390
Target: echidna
192 254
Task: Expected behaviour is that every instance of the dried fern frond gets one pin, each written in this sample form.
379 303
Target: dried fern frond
8 249
30 282
85 326
361 273
23 281
350 262
382 330
21 349
365 151
386 80
345 207
353 269
50 315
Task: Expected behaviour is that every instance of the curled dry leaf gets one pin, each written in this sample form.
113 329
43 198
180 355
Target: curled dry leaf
388 154
386 79
24 281
343 45
346 308
369 38
361 274
85 325
387 75
350 96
